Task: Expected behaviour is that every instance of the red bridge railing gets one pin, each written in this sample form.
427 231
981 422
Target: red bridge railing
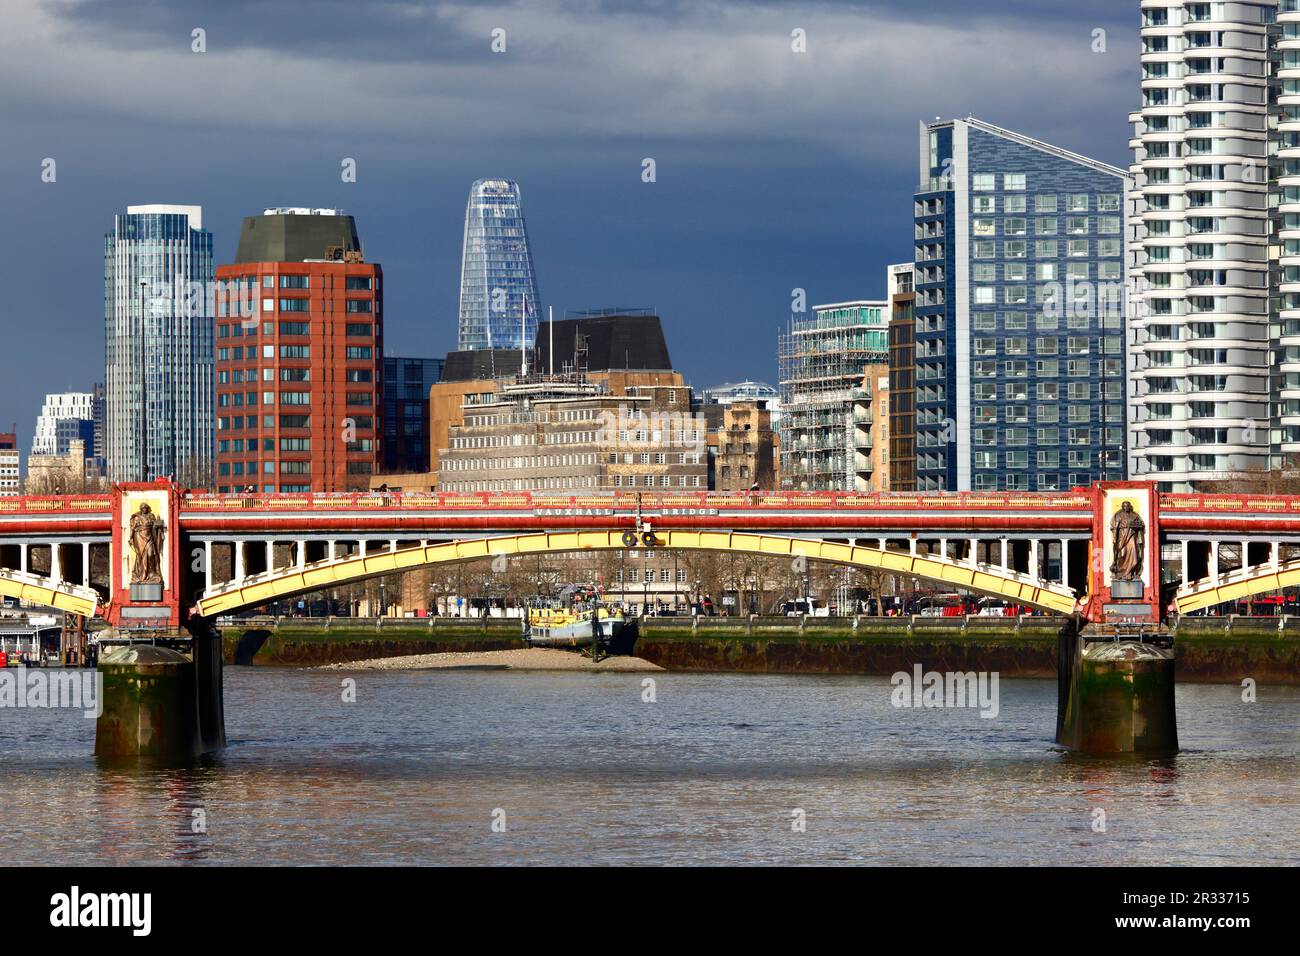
627 501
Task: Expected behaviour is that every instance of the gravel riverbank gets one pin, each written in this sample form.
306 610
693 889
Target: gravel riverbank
523 659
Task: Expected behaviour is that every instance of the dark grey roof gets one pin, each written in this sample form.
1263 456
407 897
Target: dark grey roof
613 342
478 364
294 238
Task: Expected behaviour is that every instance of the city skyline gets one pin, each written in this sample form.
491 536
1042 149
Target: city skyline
876 445
737 217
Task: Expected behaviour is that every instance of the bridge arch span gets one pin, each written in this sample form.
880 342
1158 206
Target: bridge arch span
981 579
1237 585
62 595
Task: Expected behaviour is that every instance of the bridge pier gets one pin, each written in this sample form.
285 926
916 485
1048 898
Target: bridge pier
150 707
162 698
1115 697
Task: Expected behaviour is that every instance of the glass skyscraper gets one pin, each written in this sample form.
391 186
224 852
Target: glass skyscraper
498 288
1019 313
158 329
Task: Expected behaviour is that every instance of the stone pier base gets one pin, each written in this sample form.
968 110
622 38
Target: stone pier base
150 706
1117 697
159 700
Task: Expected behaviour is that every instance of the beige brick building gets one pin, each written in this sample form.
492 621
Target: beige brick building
746 448
871 431
567 433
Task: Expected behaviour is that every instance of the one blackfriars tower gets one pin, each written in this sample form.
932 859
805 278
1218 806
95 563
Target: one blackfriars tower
498 287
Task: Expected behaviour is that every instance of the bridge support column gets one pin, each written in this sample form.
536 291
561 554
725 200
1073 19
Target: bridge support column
239 561
1214 561
150 704
302 554
974 557
22 556
270 556
1004 554
943 547
1033 558
361 547
85 563
56 562
1114 697
1186 557
161 702
1065 561
207 565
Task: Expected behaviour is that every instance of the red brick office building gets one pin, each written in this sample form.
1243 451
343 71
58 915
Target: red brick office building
299 356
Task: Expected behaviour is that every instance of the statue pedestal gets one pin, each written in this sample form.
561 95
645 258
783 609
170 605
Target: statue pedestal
146 592
1126 589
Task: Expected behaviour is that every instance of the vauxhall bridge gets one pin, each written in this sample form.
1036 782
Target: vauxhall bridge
1051 551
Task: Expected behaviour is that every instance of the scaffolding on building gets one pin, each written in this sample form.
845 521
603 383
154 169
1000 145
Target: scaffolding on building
822 361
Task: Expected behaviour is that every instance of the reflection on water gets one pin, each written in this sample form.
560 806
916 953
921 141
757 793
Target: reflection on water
585 772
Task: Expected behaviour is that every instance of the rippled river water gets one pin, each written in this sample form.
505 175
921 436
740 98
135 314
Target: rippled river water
581 770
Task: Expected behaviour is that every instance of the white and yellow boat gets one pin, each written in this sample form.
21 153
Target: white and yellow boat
582 625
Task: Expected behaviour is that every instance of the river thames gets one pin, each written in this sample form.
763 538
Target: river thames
719 768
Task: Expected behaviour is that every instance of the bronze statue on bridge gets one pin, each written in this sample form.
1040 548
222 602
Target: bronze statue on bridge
1129 532
147 531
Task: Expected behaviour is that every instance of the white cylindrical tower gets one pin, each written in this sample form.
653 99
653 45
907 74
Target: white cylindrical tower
1199 215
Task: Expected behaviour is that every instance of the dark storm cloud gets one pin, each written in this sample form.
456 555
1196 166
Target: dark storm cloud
776 170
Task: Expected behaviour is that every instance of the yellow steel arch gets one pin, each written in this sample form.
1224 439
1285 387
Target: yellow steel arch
1257 580
38 590
981 579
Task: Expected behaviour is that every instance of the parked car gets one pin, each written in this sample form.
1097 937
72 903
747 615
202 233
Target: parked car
800 607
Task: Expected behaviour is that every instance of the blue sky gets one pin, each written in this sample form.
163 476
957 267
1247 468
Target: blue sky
775 169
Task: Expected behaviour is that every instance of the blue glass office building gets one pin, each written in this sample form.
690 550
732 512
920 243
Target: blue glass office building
406 412
498 288
158 330
1020 313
